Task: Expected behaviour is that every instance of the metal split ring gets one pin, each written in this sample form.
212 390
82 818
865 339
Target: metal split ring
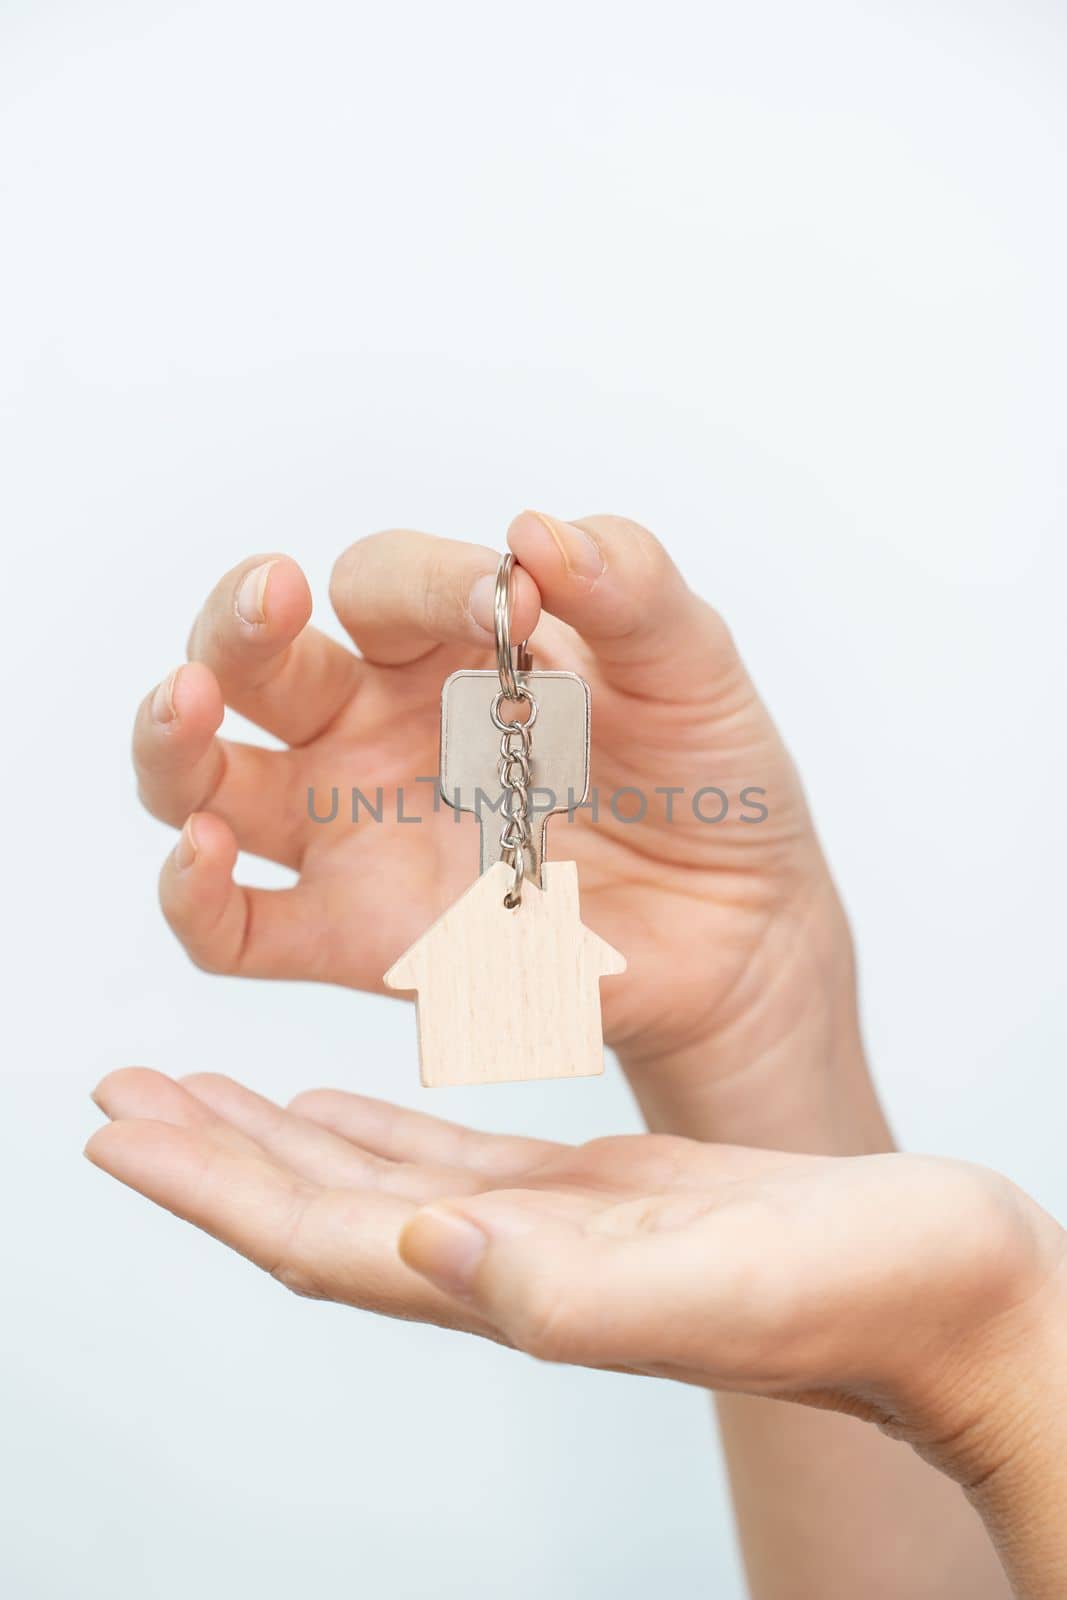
522 693
507 665
513 898
514 765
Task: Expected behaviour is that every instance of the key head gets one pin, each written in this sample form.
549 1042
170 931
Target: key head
470 751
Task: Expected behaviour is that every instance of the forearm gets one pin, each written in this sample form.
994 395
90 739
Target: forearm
1025 1511
825 1505
1014 1459
828 1506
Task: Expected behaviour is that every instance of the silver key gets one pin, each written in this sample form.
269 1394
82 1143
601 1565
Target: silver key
470 753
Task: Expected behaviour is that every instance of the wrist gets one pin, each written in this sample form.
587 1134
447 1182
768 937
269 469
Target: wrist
814 1103
781 1064
1001 1422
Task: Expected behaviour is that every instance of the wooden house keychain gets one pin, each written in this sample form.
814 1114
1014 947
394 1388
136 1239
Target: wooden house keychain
508 978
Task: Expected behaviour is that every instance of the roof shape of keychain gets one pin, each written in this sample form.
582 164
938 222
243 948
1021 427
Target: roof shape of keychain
508 978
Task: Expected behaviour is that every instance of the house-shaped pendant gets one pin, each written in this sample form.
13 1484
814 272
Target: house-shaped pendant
509 994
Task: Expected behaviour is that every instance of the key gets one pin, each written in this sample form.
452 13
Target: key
470 753
508 984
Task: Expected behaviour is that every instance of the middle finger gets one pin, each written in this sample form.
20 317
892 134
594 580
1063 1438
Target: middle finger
320 1155
401 594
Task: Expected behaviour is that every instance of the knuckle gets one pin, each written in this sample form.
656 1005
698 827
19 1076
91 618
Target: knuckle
437 588
341 575
612 1146
598 1160
653 575
207 1080
648 552
645 554
206 959
205 953
206 639
156 803
991 1246
720 639
308 1101
317 1105
298 1281
543 1326
294 1267
652 1159
124 1078
645 576
361 553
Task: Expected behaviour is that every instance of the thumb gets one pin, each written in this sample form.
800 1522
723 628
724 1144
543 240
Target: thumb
566 1278
614 582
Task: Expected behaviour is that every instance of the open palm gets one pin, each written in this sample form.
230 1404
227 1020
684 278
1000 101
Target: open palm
849 1283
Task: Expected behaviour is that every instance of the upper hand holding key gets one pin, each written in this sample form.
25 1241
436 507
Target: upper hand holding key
739 996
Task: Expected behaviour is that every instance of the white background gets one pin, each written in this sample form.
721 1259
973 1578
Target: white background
785 283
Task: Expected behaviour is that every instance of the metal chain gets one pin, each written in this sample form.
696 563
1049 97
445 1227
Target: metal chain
513 769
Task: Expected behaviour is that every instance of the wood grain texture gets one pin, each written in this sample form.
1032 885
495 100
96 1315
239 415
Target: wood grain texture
505 995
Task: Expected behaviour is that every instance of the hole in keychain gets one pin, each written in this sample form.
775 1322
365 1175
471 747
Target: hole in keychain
514 734
516 722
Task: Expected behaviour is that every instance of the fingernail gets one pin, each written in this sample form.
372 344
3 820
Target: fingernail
581 554
185 849
163 699
480 604
445 1247
252 593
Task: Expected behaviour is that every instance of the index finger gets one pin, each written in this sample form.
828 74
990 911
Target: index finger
328 1244
402 594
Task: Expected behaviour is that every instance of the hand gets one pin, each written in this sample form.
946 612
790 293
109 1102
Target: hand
737 1016
911 1291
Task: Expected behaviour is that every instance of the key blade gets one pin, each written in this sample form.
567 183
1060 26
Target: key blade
470 751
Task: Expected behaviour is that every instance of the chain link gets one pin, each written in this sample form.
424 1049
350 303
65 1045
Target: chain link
513 769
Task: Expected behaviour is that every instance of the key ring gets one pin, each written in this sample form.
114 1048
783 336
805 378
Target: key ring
514 764
506 665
